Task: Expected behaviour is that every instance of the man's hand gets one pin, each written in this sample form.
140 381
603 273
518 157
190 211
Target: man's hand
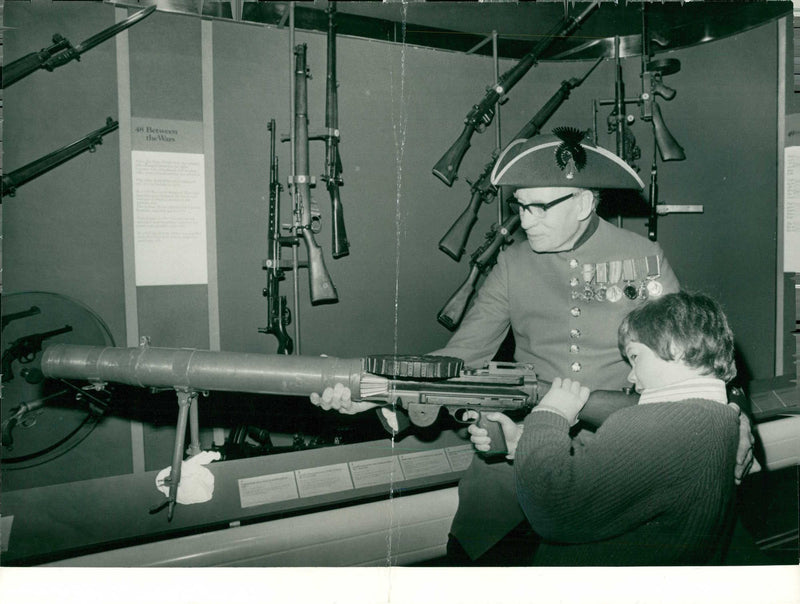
480 437
744 454
338 398
566 397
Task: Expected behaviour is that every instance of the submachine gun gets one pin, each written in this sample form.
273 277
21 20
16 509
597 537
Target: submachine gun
653 72
422 385
482 114
482 190
62 52
278 314
36 168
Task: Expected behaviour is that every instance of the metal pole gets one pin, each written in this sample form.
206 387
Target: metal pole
295 261
498 138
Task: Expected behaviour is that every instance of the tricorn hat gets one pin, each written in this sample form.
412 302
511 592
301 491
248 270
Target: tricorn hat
562 159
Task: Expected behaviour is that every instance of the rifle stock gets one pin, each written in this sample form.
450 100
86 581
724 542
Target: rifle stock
455 239
481 261
668 148
447 167
453 311
341 246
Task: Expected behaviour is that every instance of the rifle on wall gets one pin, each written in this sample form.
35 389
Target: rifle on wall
482 190
480 262
619 120
62 52
482 114
333 161
321 286
36 168
278 313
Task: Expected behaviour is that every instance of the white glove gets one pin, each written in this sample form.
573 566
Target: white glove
197 481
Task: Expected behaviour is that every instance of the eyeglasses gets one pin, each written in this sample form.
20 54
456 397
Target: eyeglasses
537 209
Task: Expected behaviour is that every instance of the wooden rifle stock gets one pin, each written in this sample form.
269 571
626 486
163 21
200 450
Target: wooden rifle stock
481 261
482 114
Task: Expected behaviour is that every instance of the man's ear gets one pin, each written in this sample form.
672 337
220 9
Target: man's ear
585 204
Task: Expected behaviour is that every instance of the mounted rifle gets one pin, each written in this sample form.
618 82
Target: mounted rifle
482 114
482 191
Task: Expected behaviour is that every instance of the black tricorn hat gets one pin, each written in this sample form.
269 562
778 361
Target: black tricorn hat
562 159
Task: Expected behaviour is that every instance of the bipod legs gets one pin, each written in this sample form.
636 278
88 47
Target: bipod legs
187 413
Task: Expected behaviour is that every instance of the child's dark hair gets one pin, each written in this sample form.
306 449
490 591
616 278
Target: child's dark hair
689 324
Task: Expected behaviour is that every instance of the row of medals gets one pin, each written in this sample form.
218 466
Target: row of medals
594 289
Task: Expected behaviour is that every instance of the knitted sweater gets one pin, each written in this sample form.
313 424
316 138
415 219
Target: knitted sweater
653 486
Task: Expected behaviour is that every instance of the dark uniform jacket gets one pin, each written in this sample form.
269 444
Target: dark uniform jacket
564 309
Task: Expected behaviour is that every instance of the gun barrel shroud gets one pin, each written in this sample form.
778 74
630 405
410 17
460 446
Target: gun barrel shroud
204 369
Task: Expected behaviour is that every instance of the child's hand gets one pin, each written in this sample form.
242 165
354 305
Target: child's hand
566 397
512 432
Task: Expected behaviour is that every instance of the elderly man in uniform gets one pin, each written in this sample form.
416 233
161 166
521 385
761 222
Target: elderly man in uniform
563 295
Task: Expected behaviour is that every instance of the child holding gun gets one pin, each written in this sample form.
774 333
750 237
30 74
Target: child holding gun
655 484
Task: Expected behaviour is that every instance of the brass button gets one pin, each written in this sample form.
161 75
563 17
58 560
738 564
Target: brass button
574 348
575 311
574 333
576 367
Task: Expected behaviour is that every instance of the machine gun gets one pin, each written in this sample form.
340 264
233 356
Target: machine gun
482 191
278 313
14 316
420 385
62 52
480 262
482 114
36 168
321 286
333 161
25 349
